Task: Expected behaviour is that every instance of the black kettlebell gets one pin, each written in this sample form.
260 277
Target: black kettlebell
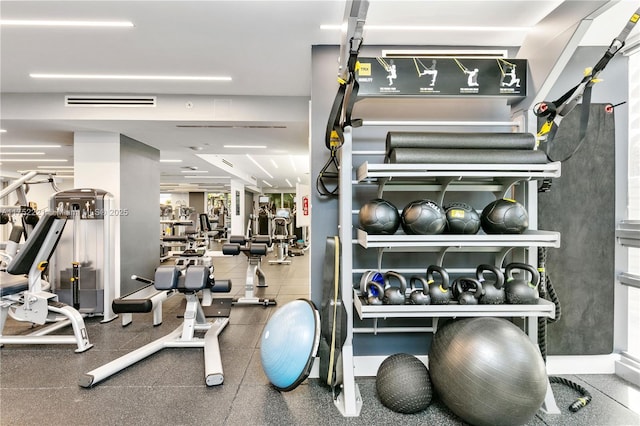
440 294
417 296
519 291
394 295
469 290
493 291
374 293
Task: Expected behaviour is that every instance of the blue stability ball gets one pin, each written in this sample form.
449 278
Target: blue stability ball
289 343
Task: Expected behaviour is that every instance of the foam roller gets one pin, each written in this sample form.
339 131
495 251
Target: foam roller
460 140
466 156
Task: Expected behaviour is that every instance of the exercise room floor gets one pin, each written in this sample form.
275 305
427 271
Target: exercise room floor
39 384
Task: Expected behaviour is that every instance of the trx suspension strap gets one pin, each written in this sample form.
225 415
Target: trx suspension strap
556 110
340 115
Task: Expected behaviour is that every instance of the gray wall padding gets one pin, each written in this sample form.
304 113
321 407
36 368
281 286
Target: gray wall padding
466 156
460 140
580 206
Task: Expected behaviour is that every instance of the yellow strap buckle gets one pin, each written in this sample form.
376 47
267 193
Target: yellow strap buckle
334 139
546 128
43 265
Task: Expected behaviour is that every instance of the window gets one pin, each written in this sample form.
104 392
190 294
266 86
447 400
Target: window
634 199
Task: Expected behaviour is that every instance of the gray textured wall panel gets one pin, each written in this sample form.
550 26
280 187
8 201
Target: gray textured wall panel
580 207
140 228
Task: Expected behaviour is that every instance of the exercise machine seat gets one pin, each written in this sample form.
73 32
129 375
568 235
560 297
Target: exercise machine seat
12 284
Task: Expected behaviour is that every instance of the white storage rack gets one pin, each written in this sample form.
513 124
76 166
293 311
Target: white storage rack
495 178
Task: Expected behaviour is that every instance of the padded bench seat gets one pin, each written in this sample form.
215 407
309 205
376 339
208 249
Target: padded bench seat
12 284
175 239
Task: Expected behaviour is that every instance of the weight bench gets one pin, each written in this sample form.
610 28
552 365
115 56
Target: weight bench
23 294
254 249
169 278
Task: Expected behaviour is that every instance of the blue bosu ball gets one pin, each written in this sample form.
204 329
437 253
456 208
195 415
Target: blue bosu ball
289 344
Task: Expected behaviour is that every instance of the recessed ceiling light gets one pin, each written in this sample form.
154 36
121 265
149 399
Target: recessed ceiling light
3 131
20 153
259 166
56 23
288 183
55 167
129 77
34 160
229 126
428 28
29 146
194 171
267 183
171 161
245 146
206 177
274 163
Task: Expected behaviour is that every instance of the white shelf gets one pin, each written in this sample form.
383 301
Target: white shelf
530 238
484 172
543 308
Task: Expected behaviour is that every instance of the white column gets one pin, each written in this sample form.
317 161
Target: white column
237 207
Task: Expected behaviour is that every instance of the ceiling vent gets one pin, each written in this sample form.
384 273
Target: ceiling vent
109 101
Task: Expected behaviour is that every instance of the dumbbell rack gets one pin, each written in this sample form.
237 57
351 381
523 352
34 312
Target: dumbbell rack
495 178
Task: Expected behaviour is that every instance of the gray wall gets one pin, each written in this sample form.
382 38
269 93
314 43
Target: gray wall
196 200
324 216
140 195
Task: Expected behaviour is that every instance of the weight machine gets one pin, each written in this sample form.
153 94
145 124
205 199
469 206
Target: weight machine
24 294
281 236
82 269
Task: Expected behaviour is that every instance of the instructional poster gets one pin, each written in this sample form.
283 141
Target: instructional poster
442 77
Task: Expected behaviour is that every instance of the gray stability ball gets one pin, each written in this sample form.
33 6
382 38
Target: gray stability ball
487 371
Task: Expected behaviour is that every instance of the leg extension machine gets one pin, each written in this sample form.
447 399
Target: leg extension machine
194 280
254 250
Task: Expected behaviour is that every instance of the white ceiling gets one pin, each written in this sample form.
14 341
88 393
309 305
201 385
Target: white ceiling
265 46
